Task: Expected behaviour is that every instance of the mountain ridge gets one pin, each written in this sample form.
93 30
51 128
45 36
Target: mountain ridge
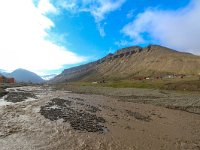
134 61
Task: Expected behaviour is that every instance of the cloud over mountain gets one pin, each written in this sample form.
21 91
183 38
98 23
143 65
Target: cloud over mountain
179 29
25 29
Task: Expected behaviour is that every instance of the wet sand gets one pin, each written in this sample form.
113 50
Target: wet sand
60 119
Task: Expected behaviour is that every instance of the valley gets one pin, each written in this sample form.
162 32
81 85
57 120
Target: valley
135 99
100 75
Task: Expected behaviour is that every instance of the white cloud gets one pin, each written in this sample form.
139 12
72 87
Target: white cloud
104 7
101 30
124 43
130 14
70 5
98 9
178 29
23 33
45 6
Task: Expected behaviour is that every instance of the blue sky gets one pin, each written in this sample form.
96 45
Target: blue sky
48 36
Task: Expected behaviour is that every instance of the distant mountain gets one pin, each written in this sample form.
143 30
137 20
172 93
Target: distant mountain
6 74
131 62
48 77
22 75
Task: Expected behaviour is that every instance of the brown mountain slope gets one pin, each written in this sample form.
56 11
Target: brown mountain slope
135 61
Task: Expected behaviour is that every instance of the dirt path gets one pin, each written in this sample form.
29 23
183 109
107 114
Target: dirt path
63 120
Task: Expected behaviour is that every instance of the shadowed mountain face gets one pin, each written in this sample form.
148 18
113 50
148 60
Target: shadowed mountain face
134 61
22 75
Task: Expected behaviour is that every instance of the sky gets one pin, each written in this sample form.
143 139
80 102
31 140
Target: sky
47 36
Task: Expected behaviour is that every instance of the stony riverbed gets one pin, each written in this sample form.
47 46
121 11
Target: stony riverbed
42 117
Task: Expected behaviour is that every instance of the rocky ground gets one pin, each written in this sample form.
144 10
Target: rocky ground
186 101
2 92
49 118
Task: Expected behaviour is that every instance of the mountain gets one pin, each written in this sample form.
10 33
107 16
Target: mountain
5 74
48 77
132 62
22 75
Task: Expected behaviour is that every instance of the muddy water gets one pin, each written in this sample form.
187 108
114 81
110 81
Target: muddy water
69 121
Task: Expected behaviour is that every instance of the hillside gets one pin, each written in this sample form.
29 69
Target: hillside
132 62
22 75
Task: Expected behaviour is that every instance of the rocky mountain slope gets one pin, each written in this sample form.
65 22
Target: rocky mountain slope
134 61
